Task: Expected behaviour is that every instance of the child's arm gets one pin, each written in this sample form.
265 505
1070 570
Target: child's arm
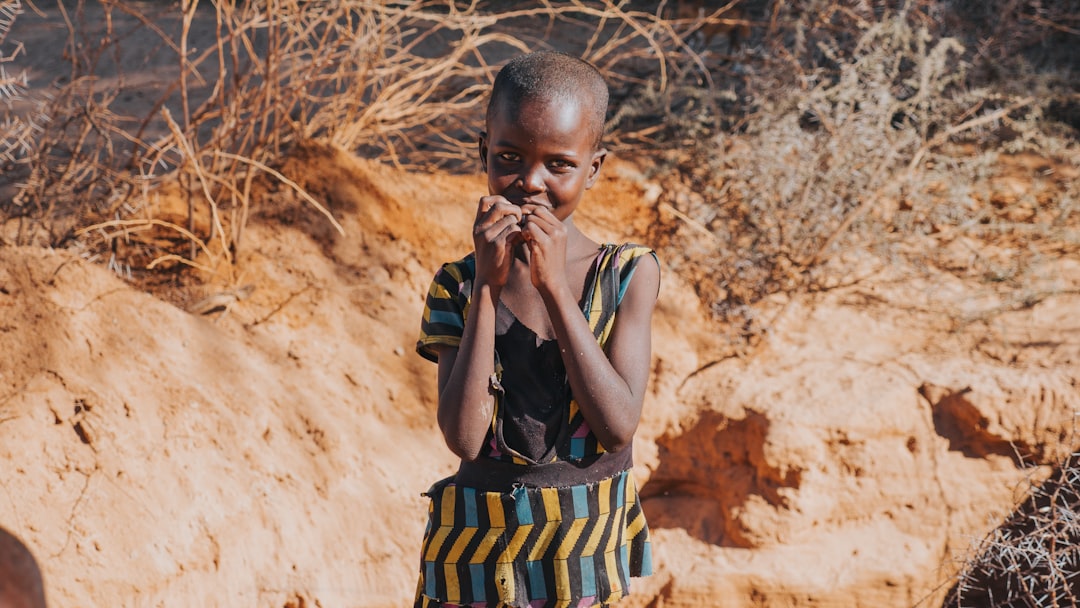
465 399
608 387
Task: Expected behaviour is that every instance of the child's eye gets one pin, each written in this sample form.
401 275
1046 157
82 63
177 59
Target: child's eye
509 157
562 164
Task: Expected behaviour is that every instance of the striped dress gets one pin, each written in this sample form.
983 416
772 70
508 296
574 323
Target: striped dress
562 529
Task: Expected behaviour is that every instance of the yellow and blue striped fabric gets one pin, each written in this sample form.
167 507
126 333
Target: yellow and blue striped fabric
571 547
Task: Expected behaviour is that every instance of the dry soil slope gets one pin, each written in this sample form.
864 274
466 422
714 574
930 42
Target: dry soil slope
275 455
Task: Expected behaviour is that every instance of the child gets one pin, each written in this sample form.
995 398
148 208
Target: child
20 579
543 344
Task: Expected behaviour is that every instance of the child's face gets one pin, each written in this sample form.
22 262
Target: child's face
544 154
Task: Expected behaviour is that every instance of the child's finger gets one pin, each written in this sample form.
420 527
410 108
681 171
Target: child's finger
535 233
503 227
533 209
487 202
540 217
494 202
493 228
539 212
512 235
498 231
493 208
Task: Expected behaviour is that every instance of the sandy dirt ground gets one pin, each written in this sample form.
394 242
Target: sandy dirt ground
264 439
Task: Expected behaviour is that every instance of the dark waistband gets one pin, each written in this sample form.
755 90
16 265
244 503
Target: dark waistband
491 475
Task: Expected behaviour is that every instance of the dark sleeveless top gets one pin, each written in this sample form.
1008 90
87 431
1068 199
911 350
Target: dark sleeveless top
536 390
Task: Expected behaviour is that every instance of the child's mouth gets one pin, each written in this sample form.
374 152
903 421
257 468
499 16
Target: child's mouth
528 203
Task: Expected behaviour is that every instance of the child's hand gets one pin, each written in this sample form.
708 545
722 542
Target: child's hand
545 236
495 233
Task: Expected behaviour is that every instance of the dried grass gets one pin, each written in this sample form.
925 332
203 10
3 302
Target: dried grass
16 132
829 132
865 140
405 82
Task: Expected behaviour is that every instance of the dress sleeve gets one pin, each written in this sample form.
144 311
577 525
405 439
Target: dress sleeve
446 308
629 255
609 278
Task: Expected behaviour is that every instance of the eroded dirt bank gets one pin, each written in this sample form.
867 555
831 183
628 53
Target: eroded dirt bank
273 452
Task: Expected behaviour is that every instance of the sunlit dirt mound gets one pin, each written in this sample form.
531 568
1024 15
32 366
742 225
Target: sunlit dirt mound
273 450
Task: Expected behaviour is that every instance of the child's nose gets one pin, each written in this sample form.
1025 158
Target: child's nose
531 180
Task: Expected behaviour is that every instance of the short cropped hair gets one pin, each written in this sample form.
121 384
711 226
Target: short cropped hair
551 75
21 585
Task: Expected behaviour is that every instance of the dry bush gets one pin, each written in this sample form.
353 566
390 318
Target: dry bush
863 139
831 129
1031 560
404 82
1011 34
263 77
10 85
16 132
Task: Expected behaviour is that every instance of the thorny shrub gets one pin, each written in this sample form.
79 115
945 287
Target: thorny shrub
16 132
1032 559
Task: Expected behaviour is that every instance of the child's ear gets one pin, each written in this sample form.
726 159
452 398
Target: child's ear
483 147
594 167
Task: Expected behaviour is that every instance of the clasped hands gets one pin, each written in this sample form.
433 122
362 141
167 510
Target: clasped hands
501 226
